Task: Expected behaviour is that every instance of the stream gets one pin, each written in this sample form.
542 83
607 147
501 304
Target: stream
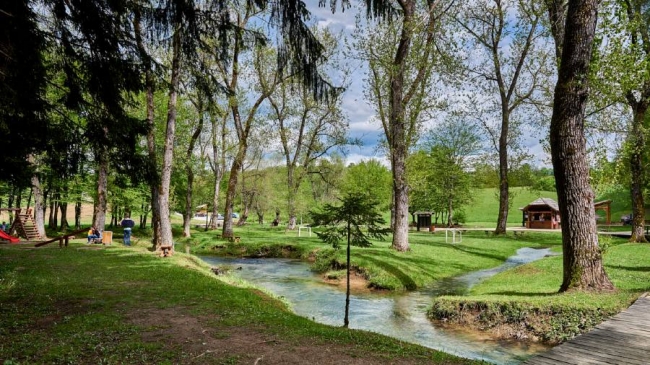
399 315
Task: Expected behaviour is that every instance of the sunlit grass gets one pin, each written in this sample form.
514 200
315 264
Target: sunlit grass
72 306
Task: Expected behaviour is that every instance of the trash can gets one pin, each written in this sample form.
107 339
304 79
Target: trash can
107 237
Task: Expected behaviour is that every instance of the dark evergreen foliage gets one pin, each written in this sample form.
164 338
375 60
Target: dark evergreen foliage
356 218
23 127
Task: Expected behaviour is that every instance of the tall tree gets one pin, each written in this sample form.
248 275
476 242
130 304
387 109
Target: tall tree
624 76
583 267
514 75
399 86
308 130
451 146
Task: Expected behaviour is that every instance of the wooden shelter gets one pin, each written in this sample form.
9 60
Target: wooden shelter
423 220
605 205
543 213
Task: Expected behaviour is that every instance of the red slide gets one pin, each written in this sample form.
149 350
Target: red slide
12 239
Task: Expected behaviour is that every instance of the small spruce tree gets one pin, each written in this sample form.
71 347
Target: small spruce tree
356 219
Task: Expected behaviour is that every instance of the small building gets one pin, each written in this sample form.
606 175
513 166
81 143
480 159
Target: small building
543 213
423 220
605 206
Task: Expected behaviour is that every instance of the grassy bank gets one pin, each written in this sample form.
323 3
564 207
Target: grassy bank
524 303
430 258
117 305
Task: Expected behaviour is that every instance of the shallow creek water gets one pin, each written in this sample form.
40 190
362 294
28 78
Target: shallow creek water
398 315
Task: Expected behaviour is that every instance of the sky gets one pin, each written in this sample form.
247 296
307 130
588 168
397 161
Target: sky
362 124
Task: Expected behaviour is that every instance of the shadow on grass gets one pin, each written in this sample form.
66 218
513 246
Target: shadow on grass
630 268
406 280
521 294
470 250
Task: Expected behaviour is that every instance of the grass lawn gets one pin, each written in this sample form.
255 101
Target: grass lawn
484 209
528 291
90 305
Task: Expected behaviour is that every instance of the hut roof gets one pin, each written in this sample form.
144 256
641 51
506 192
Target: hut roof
543 202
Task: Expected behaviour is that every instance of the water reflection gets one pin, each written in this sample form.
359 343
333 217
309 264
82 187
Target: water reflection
401 316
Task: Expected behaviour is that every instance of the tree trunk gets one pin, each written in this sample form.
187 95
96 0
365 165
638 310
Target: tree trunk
63 207
346 320
291 198
151 135
232 190
166 238
502 219
557 18
77 214
189 209
39 212
450 214
583 268
397 132
99 219
215 202
218 161
636 169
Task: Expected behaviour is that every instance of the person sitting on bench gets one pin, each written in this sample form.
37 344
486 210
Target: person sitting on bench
93 234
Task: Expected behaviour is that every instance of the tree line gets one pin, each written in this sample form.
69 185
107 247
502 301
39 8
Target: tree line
154 94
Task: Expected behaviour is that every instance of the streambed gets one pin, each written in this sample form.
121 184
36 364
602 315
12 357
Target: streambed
398 315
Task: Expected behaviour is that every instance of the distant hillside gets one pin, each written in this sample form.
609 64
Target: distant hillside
484 209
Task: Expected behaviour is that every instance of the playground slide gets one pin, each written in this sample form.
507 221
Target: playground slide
12 239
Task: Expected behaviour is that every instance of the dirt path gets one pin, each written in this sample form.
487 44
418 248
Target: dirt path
204 342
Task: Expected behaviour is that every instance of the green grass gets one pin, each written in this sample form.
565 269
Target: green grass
531 290
73 306
484 209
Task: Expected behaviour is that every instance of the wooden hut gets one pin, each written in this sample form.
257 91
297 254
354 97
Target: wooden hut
543 213
605 205
423 220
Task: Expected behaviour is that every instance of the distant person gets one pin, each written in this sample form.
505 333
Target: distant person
93 234
3 227
127 223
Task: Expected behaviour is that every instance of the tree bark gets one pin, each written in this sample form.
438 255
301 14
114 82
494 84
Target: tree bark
218 165
583 268
397 131
232 189
151 134
63 207
166 238
99 220
77 214
636 168
557 19
189 209
39 211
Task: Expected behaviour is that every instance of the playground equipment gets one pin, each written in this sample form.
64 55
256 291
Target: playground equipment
23 225
6 237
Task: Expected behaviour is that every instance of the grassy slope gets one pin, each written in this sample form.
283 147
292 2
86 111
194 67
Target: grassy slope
73 306
527 295
482 212
484 209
